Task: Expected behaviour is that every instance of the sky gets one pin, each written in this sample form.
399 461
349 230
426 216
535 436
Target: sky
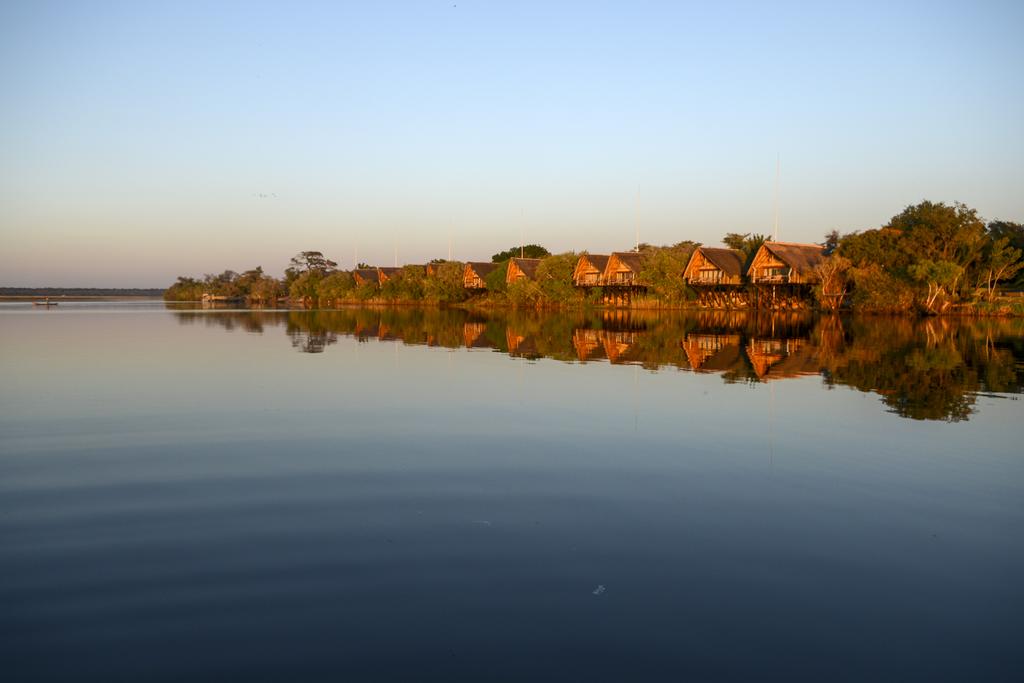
140 141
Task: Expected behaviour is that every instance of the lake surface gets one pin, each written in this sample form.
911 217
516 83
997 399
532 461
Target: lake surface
407 494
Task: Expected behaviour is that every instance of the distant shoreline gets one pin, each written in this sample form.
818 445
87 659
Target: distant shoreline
29 298
79 292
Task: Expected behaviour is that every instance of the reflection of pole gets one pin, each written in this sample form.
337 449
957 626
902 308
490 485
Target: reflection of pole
771 424
636 398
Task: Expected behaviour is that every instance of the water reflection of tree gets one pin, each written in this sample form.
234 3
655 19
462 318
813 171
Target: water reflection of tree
926 370
922 369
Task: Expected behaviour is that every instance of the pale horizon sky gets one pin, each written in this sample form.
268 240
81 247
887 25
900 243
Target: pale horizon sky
136 139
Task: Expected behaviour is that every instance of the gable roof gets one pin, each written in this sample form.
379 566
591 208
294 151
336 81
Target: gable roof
729 261
527 265
482 268
389 271
599 261
367 274
800 257
630 259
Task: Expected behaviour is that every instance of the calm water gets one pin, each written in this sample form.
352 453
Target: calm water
410 495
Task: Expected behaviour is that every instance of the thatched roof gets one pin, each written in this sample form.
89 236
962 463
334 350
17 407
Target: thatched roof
729 261
599 261
630 259
481 268
528 266
800 257
367 274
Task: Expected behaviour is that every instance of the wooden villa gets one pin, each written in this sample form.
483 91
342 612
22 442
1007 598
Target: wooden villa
785 263
474 275
589 271
717 276
521 268
623 269
782 274
365 276
621 277
714 266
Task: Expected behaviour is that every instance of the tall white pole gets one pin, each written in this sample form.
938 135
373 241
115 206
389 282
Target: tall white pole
636 218
778 168
522 219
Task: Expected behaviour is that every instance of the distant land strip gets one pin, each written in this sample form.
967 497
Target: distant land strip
79 291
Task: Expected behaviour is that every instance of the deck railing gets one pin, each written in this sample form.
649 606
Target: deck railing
772 279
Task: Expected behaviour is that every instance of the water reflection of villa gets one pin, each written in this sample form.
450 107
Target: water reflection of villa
588 344
921 369
620 346
473 335
712 352
782 358
521 345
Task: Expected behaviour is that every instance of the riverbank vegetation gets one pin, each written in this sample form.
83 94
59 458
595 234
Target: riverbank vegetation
931 258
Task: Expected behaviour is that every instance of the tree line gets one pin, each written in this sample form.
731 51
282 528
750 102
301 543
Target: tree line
930 258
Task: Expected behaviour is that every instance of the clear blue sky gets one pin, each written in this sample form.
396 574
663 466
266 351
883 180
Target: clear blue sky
136 138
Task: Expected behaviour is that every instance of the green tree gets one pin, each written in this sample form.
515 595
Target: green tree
305 287
662 271
335 287
999 261
308 262
745 243
833 281
935 233
185 289
496 278
525 251
224 284
941 278
1013 232
554 279
446 284
876 290
405 285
